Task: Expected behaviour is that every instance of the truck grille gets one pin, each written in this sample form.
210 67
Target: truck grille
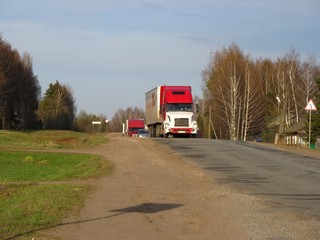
181 122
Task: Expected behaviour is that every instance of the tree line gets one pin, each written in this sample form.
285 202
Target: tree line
21 105
242 97
83 121
246 97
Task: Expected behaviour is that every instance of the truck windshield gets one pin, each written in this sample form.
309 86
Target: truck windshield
178 107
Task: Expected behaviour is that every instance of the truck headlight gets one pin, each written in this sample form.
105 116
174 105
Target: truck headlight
194 124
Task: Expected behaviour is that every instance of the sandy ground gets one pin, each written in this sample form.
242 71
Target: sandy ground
155 194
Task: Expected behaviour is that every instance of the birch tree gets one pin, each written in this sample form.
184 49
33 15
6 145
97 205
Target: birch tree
253 101
292 62
247 96
224 80
309 73
265 71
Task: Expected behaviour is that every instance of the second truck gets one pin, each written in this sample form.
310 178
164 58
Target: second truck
133 126
170 112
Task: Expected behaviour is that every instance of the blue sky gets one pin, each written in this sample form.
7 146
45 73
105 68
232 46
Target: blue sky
112 52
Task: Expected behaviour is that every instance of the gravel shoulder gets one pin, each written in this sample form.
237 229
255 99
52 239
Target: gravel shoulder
156 194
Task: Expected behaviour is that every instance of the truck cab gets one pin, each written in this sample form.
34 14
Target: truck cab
133 126
179 119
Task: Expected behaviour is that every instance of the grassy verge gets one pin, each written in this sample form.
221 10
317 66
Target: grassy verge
43 166
49 140
24 209
31 196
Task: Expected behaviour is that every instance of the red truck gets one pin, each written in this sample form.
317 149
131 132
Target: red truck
170 112
133 126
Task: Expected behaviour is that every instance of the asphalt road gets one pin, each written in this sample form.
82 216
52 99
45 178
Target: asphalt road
287 181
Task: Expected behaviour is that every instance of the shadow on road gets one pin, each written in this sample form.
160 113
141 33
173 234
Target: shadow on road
147 208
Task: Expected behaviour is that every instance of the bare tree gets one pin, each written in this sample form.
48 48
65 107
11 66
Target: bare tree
309 73
30 94
19 89
265 71
292 62
235 95
122 115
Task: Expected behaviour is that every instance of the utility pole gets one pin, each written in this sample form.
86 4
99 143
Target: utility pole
210 125
310 107
309 128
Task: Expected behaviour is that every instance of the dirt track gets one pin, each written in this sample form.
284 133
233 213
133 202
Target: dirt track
161 196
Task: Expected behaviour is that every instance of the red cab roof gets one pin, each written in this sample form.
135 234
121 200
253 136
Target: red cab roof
137 123
176 94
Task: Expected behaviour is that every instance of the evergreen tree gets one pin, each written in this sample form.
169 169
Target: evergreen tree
315 117
57 109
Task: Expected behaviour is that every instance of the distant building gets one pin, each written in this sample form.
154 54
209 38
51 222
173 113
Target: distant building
296 135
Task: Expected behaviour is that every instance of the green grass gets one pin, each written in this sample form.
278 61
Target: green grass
24 209
49 140
31 196
43 166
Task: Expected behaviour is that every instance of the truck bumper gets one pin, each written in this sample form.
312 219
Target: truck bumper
180 131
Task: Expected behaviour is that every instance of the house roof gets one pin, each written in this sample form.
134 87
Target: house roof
297 127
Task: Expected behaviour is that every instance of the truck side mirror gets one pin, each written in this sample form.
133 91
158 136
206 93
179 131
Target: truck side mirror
197 107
